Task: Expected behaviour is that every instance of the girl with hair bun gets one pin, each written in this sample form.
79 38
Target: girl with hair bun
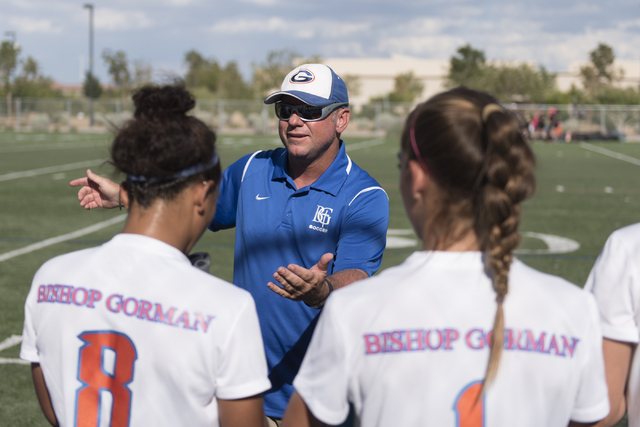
462 333
130 333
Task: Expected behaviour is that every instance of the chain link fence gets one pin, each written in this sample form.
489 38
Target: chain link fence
565 122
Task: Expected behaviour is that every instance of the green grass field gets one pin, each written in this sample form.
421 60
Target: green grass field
598 194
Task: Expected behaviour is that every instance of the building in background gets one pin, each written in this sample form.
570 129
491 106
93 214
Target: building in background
376 75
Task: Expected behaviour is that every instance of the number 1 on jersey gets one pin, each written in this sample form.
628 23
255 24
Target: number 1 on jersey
94 378
469 409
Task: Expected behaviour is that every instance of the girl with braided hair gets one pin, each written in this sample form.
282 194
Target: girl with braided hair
461 334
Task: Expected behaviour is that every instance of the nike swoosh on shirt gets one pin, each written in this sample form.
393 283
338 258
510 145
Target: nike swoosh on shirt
261 198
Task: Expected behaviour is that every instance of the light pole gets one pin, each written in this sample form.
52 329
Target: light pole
90 78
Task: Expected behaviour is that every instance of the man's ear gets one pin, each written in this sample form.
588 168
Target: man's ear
343 115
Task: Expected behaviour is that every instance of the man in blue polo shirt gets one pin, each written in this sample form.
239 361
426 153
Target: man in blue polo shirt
301 213
308 220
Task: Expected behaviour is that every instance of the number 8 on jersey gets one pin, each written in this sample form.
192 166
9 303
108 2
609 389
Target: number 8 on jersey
95 377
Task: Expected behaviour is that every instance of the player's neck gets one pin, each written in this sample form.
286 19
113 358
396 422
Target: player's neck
468 242
162 221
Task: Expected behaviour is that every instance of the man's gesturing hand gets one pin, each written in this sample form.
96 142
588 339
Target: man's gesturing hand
98 192
301 284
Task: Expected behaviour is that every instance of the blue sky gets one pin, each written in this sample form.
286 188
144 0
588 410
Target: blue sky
552 33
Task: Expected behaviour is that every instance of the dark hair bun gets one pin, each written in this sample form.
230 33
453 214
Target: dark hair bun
158 102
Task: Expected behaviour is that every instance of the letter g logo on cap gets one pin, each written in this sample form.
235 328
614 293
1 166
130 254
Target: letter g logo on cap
303 76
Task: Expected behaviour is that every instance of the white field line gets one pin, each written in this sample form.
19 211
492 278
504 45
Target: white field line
52 169
53 146
4 361
365 144
10 342
610 153
52 137
63 238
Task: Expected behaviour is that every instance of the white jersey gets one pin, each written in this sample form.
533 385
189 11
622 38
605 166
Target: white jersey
131 332
410 348
615 282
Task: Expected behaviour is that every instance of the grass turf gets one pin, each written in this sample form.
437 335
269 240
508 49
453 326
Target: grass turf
599 194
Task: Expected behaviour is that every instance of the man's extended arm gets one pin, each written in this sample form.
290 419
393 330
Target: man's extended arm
310 285
361 244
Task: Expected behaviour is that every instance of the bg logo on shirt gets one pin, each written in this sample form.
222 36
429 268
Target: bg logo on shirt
322 216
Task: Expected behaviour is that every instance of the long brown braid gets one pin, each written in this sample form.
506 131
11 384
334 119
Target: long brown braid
477 156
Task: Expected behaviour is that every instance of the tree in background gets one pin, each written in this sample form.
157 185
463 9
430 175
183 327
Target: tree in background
231 85
406 88
118 68
518 83
510 83
353 83
30 83
602 59
142 73
91 87
466 67
599 76
268 75
201 72
217 81
8 62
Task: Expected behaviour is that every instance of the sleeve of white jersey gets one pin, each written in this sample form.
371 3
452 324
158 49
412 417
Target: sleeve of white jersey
28 349
592 401
242 371
323 379
615 283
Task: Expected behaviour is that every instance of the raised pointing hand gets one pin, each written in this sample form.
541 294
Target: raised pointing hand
97 192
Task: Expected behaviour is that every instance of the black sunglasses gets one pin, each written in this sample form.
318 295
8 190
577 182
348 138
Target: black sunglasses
307 113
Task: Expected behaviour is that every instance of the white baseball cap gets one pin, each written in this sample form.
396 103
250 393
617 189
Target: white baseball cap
313 84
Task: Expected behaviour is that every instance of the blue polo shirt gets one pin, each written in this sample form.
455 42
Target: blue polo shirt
344 212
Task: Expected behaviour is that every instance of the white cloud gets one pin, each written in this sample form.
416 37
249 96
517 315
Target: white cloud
502 38
152 4
300 29
432 46
429 26
41 5
344 48
585 8
261 2
26 4
464 10
30 25
629 25
181 2
111 20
